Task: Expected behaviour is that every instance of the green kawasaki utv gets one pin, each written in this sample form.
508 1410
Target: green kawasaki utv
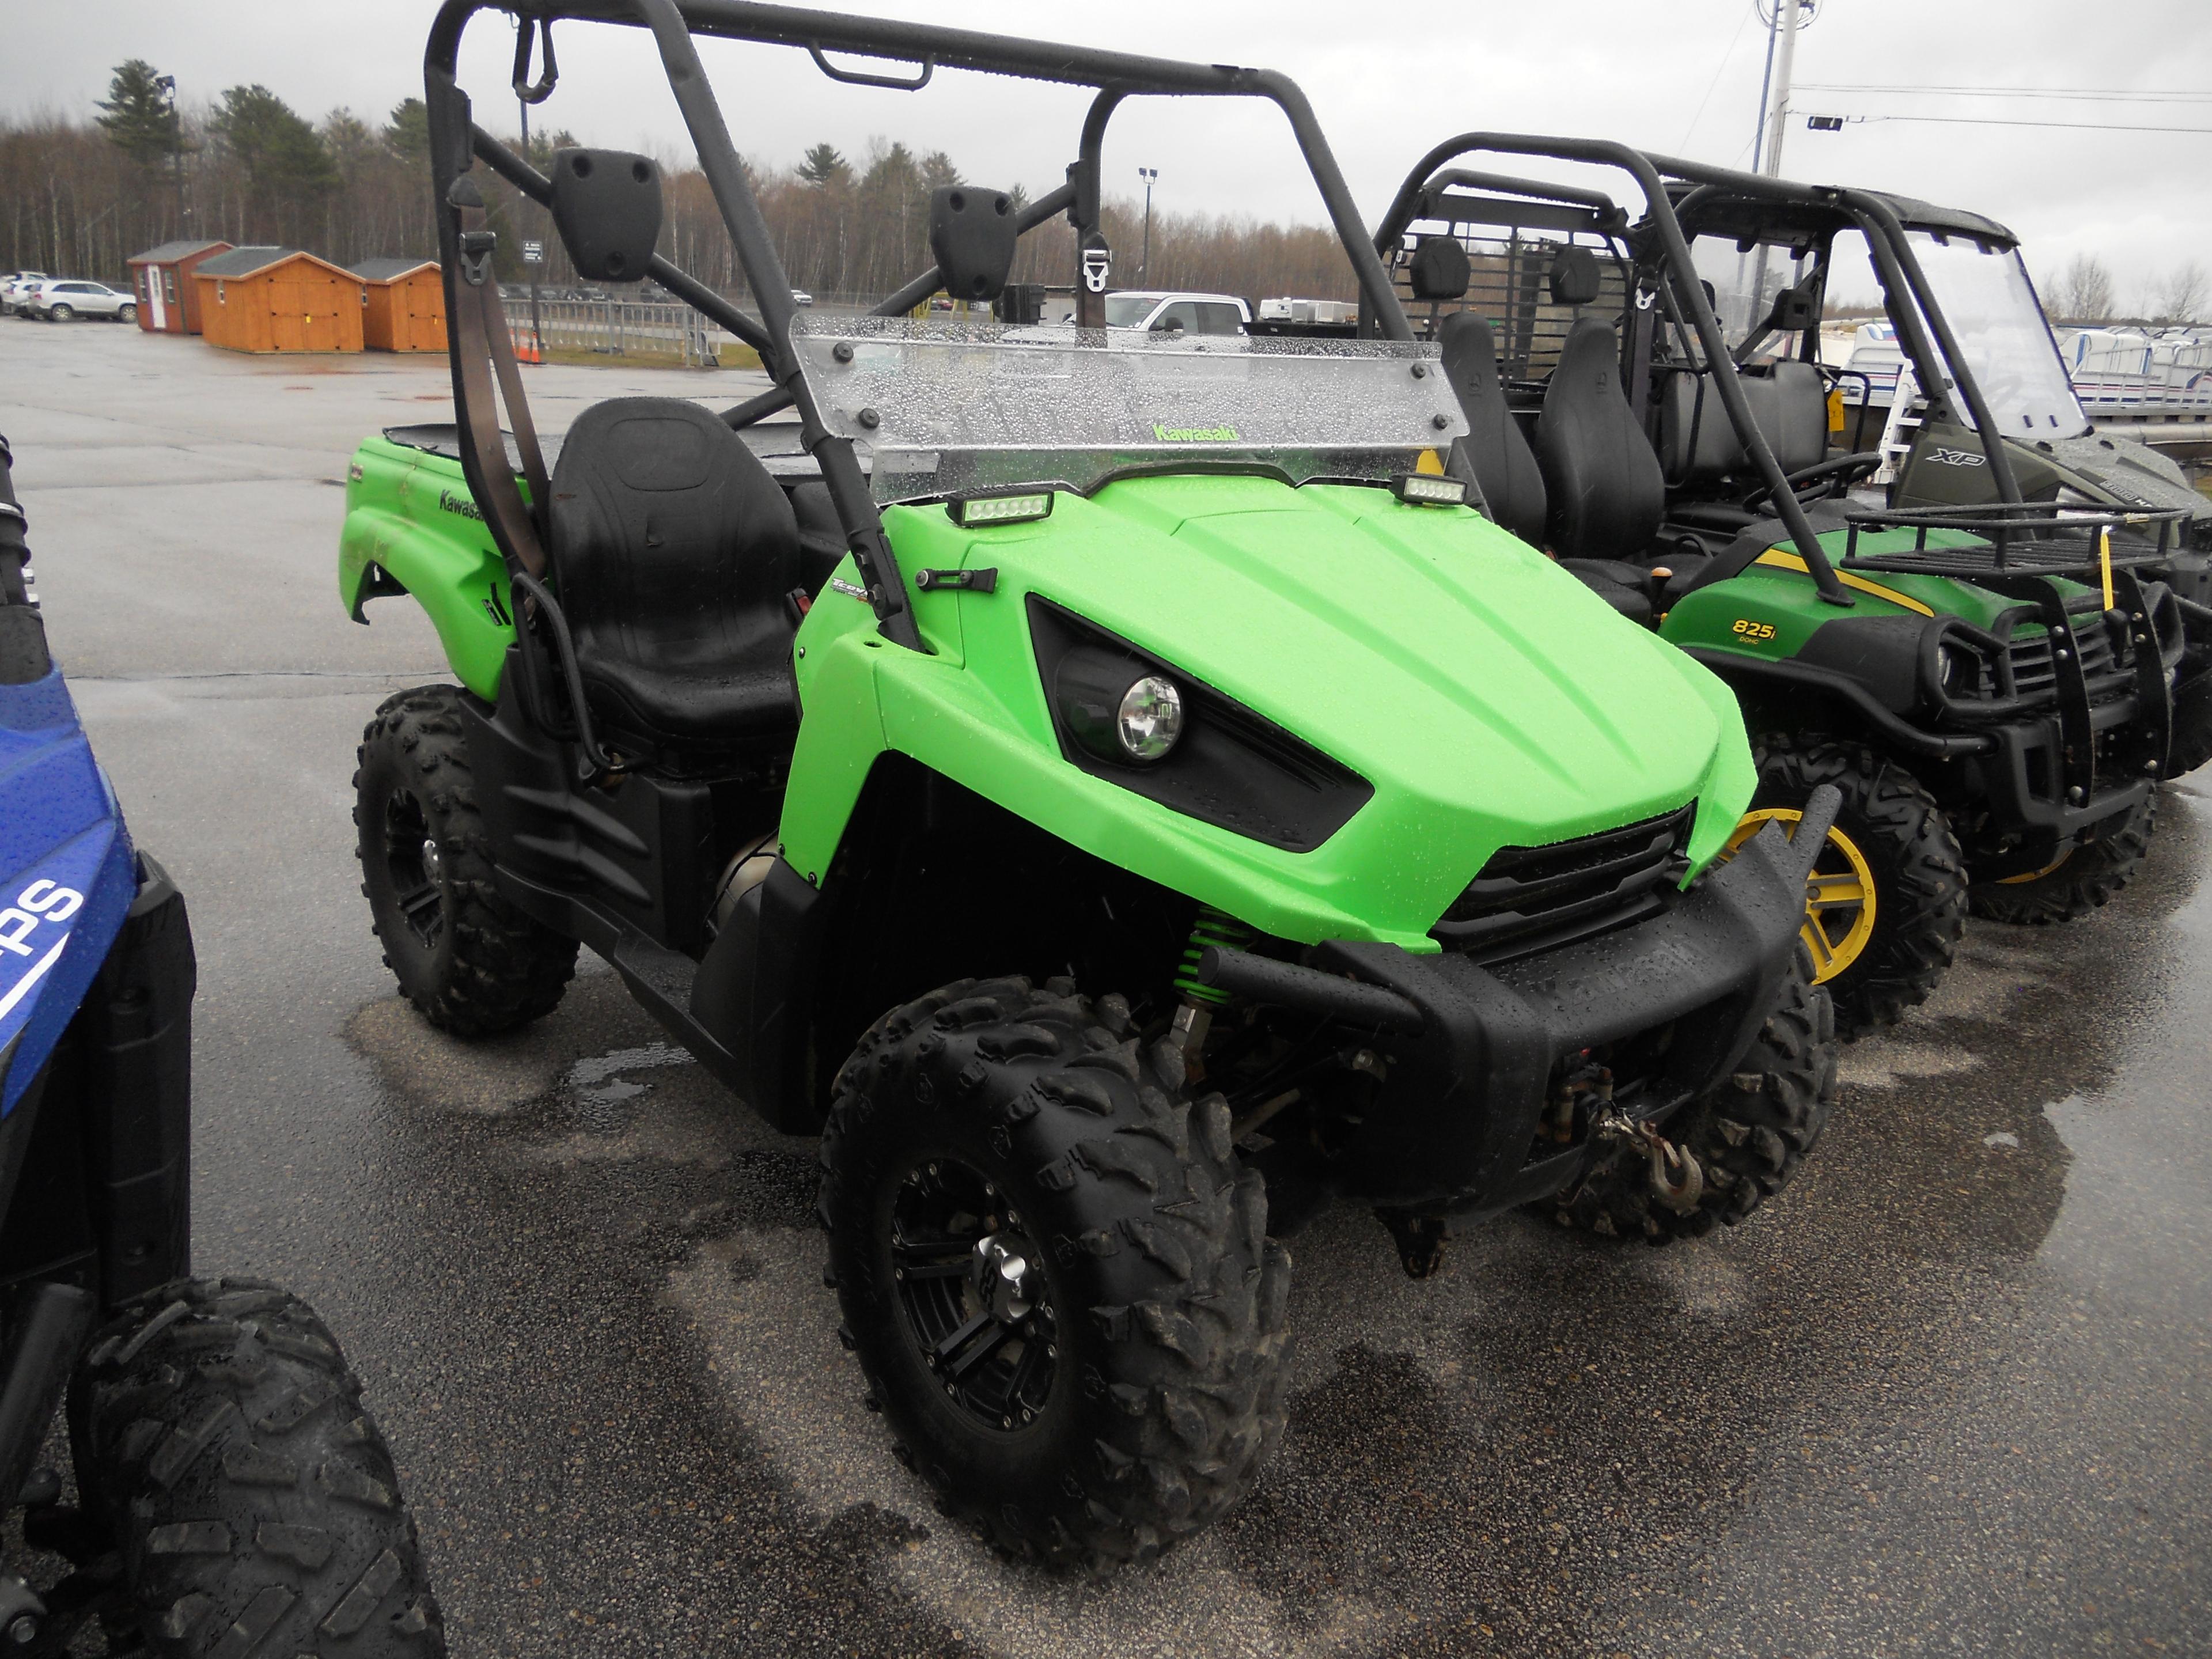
1111 785
1990 687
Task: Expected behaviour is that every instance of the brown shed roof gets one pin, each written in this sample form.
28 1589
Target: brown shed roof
385 270
170 251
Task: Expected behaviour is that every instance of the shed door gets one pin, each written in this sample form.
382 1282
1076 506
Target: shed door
426 314
150 281
289 322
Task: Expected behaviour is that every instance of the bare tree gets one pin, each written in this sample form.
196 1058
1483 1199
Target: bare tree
2082 293
2179 296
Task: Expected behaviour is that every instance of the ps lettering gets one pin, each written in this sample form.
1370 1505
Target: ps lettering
42 901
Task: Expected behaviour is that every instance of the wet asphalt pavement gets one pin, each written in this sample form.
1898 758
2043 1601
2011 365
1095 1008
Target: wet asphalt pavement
1952 1394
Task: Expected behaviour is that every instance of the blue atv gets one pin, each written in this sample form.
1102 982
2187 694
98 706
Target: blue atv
231 1494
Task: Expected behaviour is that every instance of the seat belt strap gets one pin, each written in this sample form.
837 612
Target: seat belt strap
483 348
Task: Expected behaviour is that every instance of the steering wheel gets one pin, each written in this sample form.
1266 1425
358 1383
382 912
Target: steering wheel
1821 480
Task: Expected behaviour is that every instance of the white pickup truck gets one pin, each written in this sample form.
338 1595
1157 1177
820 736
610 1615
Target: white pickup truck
1161 311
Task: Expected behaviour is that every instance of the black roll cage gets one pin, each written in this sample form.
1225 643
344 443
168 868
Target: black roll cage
1423 185
456 143
1907 295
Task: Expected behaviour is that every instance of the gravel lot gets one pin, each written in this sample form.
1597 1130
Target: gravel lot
1951 1395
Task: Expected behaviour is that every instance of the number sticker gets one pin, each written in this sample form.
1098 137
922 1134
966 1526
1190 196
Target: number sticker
1753 630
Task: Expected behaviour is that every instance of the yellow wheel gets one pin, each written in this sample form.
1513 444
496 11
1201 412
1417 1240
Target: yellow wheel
1840 894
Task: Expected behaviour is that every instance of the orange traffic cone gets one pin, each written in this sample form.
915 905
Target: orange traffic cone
526 351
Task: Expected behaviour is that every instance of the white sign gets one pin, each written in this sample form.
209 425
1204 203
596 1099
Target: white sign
533 253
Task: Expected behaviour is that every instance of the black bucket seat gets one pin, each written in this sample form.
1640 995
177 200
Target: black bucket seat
1601 476
674 551
1493 452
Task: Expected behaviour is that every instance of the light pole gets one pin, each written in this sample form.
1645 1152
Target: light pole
537 324
168 86
1144 262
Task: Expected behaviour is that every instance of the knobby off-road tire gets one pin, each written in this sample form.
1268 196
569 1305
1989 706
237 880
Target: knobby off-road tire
1749 1133
2084 879
1168 1332
1919 873
468 959
222 1440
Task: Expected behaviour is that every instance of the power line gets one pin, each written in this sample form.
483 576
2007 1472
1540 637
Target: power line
2099 95
2005 121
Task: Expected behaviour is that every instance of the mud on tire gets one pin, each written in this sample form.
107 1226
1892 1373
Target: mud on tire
469 960
1168 1330
1749 1133
1920 879
2088 876
220 1438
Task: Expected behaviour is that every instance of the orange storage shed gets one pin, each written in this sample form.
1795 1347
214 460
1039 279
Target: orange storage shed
161 277
279 299
406 307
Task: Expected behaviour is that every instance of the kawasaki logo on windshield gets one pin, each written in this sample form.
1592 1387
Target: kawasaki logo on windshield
1194 435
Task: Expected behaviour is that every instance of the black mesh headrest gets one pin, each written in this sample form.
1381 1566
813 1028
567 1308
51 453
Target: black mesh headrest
1438 270
972 234
606 205
1574 276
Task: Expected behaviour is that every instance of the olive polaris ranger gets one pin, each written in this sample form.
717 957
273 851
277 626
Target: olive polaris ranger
1111 781
233 1494
1990 688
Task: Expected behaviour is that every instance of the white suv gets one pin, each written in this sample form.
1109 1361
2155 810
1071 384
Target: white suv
15 283
57 300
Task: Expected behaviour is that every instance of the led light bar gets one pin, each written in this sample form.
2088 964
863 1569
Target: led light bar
1429 490
972 512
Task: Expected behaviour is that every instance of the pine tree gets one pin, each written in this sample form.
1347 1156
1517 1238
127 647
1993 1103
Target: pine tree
823 167
139 120
407 134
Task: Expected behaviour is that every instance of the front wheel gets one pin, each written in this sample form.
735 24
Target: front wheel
127 314
1057 1279
220 1440
1745 1136
1886 901
2086 875
468 959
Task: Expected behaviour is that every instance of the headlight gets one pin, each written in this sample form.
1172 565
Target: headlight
1118 707
1150 719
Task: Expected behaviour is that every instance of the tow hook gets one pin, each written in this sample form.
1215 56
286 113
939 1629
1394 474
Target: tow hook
1676 1180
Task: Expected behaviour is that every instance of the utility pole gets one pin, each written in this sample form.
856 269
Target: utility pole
536 329
1150 175
167 84
1777 114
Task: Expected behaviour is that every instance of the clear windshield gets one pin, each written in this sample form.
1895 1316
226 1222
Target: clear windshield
1744 283
941 407
1987 300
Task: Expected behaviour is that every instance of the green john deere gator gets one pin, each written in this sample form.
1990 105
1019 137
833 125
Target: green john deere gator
1112 787
1993 688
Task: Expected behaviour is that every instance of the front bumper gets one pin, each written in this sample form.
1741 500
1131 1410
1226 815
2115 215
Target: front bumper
1475 1050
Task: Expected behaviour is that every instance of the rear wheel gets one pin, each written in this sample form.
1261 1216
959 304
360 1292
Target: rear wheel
472 962
1745 1136
222 1442
2085 876
1887 899
1056 1277
61 313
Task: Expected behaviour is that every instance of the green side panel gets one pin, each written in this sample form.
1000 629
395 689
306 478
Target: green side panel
1771 612
1489 696
410 514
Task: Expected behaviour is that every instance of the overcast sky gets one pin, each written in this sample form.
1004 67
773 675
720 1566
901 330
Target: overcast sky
1387 81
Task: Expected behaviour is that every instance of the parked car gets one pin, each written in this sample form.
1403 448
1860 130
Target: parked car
15 283
60 299
1164 313
799 296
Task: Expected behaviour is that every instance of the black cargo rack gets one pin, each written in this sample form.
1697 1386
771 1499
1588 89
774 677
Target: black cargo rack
2017 538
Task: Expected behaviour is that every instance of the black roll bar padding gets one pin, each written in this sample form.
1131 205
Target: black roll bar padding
1286 985
1605 153
696 295
1912 299
905 300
